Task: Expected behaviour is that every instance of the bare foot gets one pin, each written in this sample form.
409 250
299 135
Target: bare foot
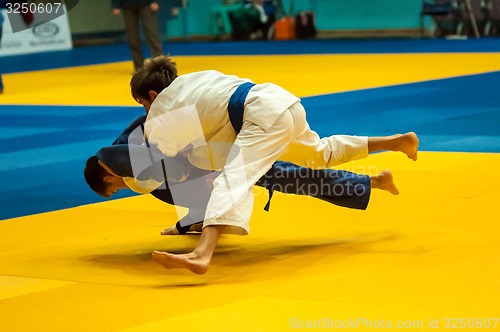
191 261
409 145
170 231
173 230
384 181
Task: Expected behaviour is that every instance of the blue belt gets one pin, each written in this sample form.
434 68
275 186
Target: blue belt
236 109
236 106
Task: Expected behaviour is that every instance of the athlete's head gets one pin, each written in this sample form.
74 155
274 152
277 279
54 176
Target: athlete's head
100 180
150 80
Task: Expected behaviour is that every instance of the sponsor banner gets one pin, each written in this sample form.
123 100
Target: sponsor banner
44 34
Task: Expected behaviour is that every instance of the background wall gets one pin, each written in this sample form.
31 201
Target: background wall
367 14
94 16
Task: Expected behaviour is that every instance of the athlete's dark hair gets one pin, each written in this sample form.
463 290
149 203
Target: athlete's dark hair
94 175
156 75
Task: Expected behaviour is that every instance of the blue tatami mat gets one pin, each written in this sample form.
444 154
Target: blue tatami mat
43 154
44 148
456 114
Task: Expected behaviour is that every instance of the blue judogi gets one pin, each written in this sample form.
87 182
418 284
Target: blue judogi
338 187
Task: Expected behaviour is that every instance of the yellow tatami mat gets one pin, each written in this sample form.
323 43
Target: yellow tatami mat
303 75
418 260
427 259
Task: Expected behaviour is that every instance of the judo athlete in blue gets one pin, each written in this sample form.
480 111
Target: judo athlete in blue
105 173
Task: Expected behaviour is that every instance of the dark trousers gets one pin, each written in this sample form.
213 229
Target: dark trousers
338 187
149 21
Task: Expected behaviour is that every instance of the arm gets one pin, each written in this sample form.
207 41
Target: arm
133 134
142 163
129 157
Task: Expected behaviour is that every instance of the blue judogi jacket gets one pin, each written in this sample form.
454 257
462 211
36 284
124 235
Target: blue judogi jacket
337 186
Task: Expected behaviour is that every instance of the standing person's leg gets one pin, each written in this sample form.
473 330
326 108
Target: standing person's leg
131 17
149 20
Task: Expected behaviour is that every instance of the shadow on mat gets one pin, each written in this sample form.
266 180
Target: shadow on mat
237 259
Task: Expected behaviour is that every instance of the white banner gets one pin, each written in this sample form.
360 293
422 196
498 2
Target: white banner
53 35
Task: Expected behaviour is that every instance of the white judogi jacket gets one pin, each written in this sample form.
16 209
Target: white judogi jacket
197 104
191 117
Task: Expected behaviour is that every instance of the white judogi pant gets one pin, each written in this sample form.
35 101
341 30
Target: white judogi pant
288 139
190 116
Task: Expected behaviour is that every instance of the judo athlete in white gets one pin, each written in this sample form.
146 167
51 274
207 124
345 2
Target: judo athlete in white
110 170
199 115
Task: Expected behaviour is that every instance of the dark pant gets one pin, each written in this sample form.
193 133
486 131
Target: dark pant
341 188
150 24
338 187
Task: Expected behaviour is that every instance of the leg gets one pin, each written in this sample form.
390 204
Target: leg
151 30
338 187
131 18
258 150
195 199
341 188
309 150
406 143
196 261
178 229
231 201
192 222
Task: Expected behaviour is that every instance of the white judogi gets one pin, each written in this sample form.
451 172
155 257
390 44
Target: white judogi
191 117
